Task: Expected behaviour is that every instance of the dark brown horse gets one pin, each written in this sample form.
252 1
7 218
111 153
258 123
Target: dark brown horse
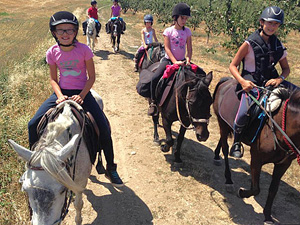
154 53
189 102
270 146
115 27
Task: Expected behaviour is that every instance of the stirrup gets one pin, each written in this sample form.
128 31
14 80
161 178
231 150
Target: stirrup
155 109
237 147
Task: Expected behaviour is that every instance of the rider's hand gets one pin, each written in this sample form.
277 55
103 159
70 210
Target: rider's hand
77 98
61 99
180 63
274 82
247 85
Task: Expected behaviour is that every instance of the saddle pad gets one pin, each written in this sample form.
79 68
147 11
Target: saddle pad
229 105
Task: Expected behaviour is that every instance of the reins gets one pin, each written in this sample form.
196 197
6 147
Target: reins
286 138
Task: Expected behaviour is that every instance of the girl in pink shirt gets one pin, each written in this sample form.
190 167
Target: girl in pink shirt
178 48
72 75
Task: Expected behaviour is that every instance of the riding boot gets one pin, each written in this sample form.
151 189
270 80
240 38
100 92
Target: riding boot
112 174
236 149
152 110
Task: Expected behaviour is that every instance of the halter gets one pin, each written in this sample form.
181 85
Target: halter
191 118
69 193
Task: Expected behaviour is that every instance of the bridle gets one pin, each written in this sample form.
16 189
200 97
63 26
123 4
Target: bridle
192 119
68 193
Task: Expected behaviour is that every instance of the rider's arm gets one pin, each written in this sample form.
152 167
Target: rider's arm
154 36
189 50
90 67
284 74
143 39
242 52
54 83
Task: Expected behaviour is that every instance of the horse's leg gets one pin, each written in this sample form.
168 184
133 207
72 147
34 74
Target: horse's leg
118 42
178 161
78 204
255 166
217 158
169 140
225 149
155 120
279 170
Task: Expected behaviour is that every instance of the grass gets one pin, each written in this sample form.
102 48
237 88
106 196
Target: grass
24 81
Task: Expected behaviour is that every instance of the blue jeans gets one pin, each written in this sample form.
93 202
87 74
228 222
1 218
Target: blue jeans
89 105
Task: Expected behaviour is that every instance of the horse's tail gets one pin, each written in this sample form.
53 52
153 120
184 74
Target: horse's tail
222 80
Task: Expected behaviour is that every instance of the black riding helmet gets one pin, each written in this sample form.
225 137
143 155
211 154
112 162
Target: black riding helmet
93 2
181 9
273 13
63 17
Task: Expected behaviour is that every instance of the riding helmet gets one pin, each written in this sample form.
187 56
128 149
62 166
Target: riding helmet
148 18
63 17
273 13
181 9
93 2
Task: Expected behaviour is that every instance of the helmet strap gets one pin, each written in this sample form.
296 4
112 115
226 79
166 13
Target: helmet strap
266 33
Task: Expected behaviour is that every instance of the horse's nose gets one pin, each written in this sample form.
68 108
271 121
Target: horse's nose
203 136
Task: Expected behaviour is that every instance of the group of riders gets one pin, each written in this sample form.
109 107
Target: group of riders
92 12
72 71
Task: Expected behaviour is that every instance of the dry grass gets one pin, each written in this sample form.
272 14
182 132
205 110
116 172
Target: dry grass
24 39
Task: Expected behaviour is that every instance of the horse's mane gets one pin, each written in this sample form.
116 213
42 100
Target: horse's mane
197 79
294 102
48 144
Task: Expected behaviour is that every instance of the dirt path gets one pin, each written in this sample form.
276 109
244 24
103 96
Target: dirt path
154 192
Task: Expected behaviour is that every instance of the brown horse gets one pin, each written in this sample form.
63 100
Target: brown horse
189 102
272 145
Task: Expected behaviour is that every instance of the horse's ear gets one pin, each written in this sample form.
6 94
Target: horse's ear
22 151
208 78
65 152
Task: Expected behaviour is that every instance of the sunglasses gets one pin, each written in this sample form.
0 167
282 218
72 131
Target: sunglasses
68 31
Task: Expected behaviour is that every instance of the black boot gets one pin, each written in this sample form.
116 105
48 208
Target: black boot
237 150
152 110
112 174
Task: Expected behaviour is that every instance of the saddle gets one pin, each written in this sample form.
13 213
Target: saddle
229 105
91 132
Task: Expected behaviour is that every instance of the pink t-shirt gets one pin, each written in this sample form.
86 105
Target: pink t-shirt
115 10
249 62
71 65
178 40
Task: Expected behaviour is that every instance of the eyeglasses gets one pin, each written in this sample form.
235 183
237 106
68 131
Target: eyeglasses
68 31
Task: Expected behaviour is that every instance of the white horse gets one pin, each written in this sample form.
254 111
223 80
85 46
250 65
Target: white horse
59 164
91 33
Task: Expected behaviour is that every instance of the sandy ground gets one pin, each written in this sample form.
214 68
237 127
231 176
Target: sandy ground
155 193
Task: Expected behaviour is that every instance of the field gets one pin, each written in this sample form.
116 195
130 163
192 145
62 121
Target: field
154 194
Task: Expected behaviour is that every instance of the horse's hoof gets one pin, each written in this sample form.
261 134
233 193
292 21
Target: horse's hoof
240 192
229 188
217 162
164 148
269 223
178 165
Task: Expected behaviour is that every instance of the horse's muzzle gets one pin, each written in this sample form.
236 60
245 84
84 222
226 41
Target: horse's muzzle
202 132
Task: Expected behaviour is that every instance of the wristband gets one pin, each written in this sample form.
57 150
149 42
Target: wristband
282 77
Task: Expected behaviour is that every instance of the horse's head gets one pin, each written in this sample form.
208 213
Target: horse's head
91 26
198 100
47 179
116 27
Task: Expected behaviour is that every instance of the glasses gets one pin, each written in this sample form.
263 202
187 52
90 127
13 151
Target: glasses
68 31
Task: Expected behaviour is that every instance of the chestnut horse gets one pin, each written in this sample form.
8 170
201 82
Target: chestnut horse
274 144
189 102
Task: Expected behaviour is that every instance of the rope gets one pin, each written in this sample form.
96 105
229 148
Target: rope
283 128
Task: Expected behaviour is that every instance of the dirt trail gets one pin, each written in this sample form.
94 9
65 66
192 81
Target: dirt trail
154 193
